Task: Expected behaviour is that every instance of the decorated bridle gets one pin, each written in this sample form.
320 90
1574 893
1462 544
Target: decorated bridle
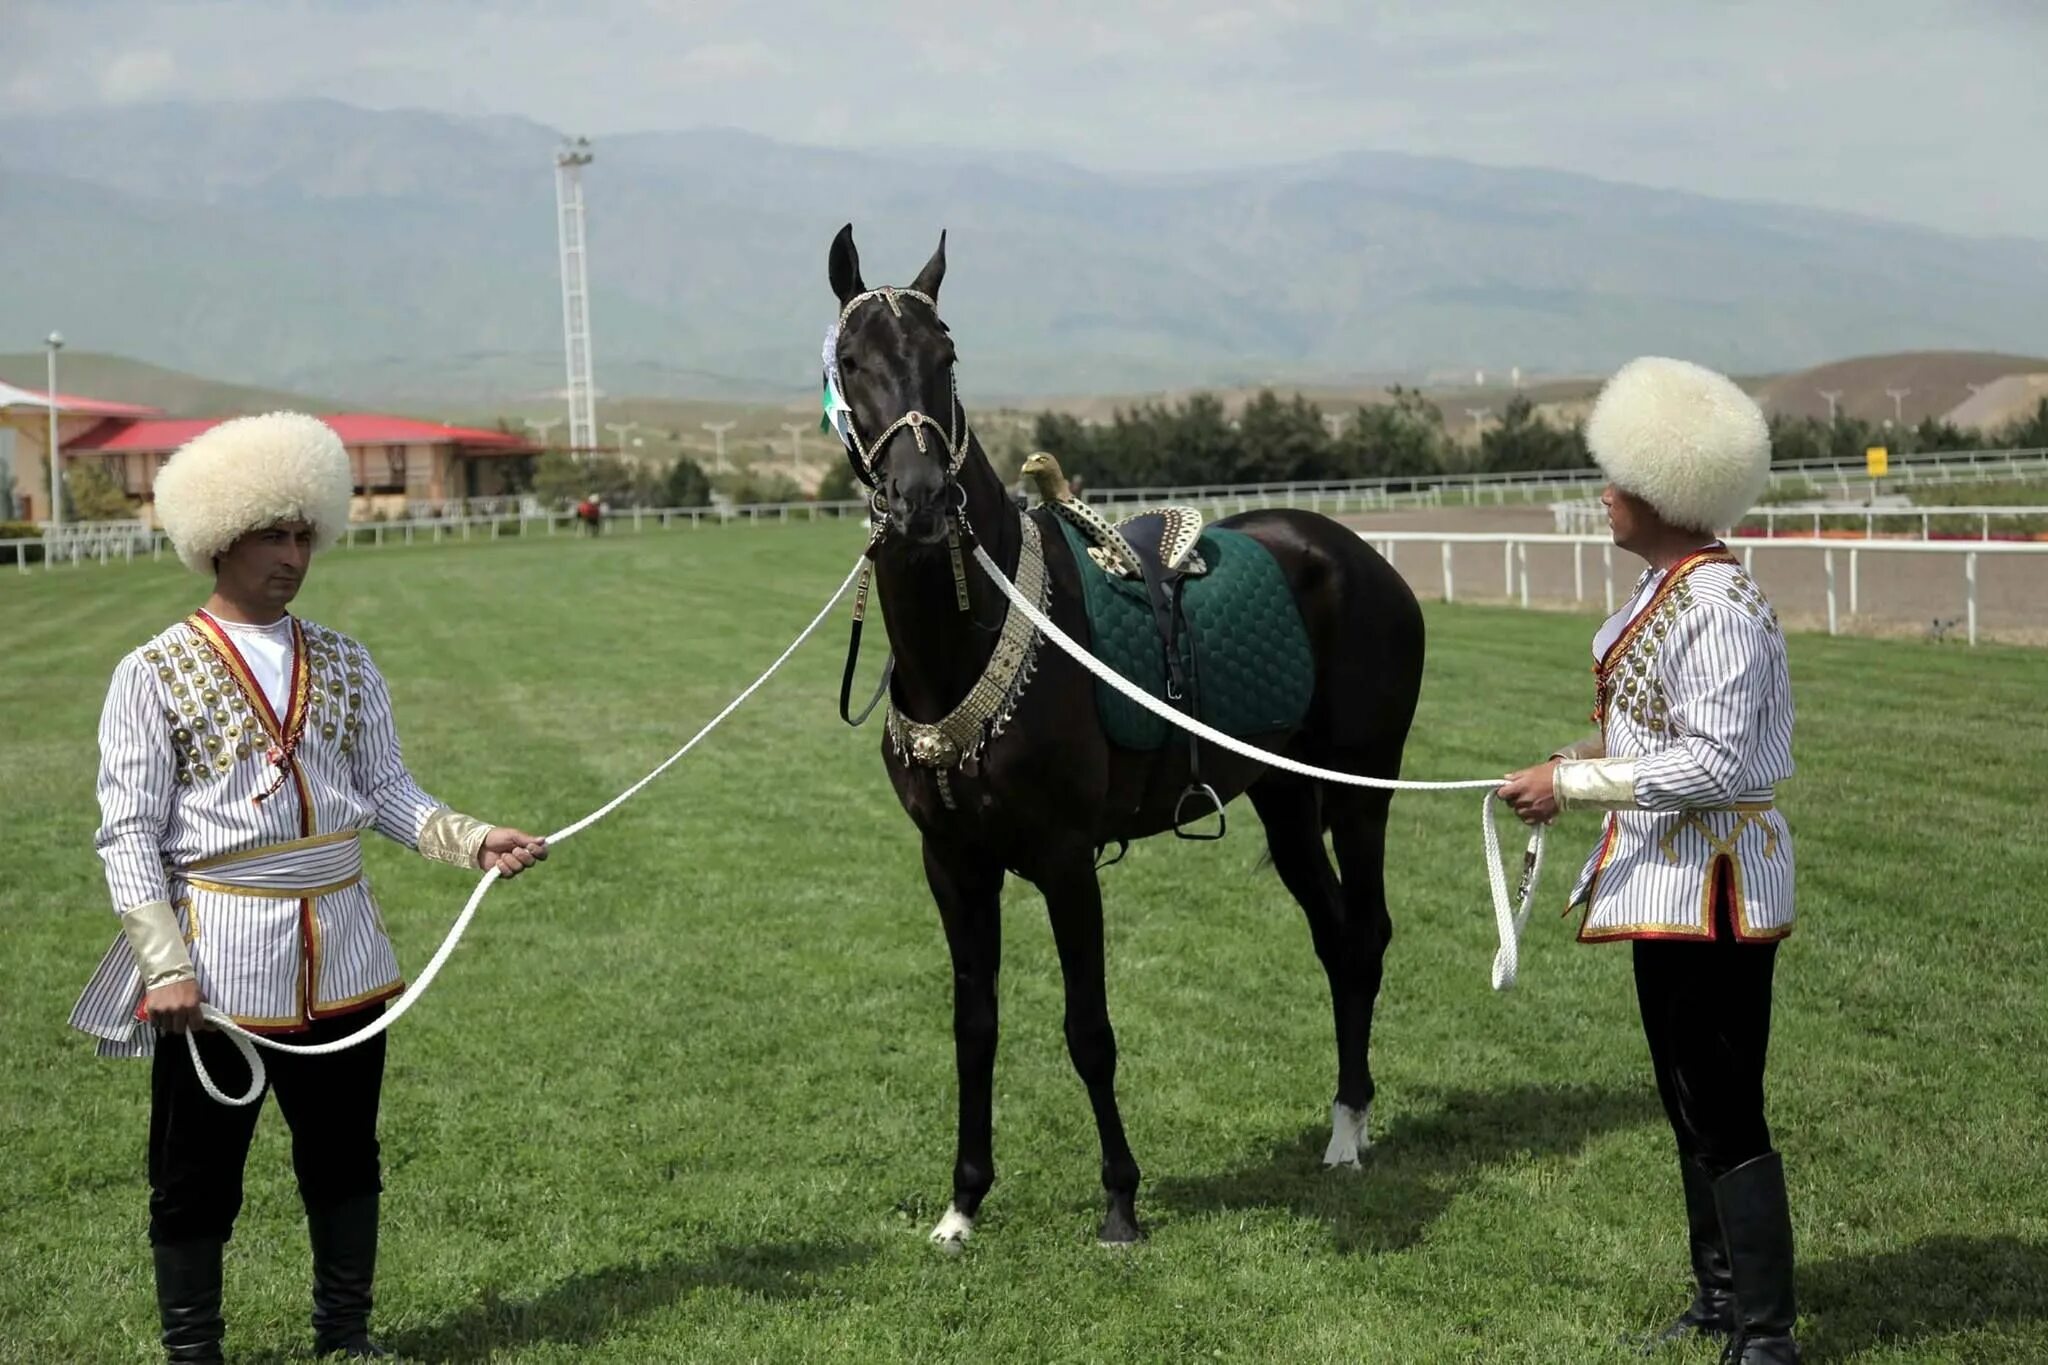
864 456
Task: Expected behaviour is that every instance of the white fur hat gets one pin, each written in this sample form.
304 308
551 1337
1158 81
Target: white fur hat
252 472
1682 438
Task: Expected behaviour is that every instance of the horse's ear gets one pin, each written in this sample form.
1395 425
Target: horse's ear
927 281
844 266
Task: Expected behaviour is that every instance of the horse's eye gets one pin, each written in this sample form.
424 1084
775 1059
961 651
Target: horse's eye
849 366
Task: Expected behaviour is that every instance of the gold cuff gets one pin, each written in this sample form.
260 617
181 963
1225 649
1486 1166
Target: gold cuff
453 838
1595 784
1592 746
158 944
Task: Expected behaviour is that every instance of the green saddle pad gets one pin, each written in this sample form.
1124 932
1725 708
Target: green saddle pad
1253 670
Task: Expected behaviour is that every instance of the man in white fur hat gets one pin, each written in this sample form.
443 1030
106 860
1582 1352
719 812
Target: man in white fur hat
243 753
1694 864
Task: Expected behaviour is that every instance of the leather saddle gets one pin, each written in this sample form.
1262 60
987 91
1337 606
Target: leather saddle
1162 541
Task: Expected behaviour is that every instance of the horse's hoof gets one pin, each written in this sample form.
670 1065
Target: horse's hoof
1119 1230
1349 1138
951 1235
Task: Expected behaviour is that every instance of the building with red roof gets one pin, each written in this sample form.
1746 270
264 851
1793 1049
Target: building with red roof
398 461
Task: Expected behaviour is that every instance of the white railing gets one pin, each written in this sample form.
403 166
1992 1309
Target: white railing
1494 487
1514 547
1515 562
1588 516
435 530
1934 466
82 540
505 504
439 530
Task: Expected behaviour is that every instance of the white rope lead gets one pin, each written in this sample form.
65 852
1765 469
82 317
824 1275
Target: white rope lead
247 1042
1511 913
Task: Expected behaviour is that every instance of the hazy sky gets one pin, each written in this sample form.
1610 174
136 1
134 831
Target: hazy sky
1932 111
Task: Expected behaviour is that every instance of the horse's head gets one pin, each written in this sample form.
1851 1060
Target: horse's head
892 361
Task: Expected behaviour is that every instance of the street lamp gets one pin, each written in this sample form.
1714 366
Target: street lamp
1831 395
619 430
796 449
718 430
55 343
541 429
1897 396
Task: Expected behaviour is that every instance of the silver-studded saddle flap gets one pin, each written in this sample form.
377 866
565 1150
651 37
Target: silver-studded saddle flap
1164 534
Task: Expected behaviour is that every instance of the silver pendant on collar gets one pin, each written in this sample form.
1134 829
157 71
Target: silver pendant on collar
959 737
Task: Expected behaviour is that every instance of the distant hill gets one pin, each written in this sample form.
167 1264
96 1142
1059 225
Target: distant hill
2001 402
403 258
122 380
1937 382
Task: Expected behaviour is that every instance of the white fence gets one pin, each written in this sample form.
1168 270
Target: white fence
1588 516
150 544
141 541
1515 562
1841 562
1950 466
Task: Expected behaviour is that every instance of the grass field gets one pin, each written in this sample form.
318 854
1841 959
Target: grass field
687 1094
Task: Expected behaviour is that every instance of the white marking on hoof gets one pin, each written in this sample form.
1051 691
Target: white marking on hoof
1348 1135
953 1231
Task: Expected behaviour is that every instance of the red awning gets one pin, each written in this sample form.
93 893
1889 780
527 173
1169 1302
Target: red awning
69 405
354 428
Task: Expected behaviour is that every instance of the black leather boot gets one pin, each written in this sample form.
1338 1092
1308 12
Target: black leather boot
344 1266
1757 1221
188 1301
1712 1313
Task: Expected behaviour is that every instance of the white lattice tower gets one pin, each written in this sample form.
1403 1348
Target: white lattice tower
569 163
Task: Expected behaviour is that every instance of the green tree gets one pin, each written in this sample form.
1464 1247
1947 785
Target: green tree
2026 433
1934 434
1795 440
94 496
1001 442
1848 437
839 485
557 477
1388 440
752 487
1524 441
1199 443
560 477
1078 448
1283 440
686 485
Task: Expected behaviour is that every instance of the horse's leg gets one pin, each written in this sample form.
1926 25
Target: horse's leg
1289 809
1073 902
1358 831
969 895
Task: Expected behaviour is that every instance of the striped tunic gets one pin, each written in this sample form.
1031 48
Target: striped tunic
249 824
1695 687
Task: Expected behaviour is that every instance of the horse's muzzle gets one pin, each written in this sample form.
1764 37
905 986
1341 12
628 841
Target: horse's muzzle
920 523
925 526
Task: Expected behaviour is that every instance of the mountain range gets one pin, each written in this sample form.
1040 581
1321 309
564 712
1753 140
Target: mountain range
400 257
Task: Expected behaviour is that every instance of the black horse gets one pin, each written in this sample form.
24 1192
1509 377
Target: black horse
1050 790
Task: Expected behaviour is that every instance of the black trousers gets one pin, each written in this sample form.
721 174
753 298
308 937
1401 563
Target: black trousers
198 1146
1707 1015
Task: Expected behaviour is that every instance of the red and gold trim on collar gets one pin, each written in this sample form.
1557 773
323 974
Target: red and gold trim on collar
1717 553
284 734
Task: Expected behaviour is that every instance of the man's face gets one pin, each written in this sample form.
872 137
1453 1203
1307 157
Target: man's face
266 567
1628 516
